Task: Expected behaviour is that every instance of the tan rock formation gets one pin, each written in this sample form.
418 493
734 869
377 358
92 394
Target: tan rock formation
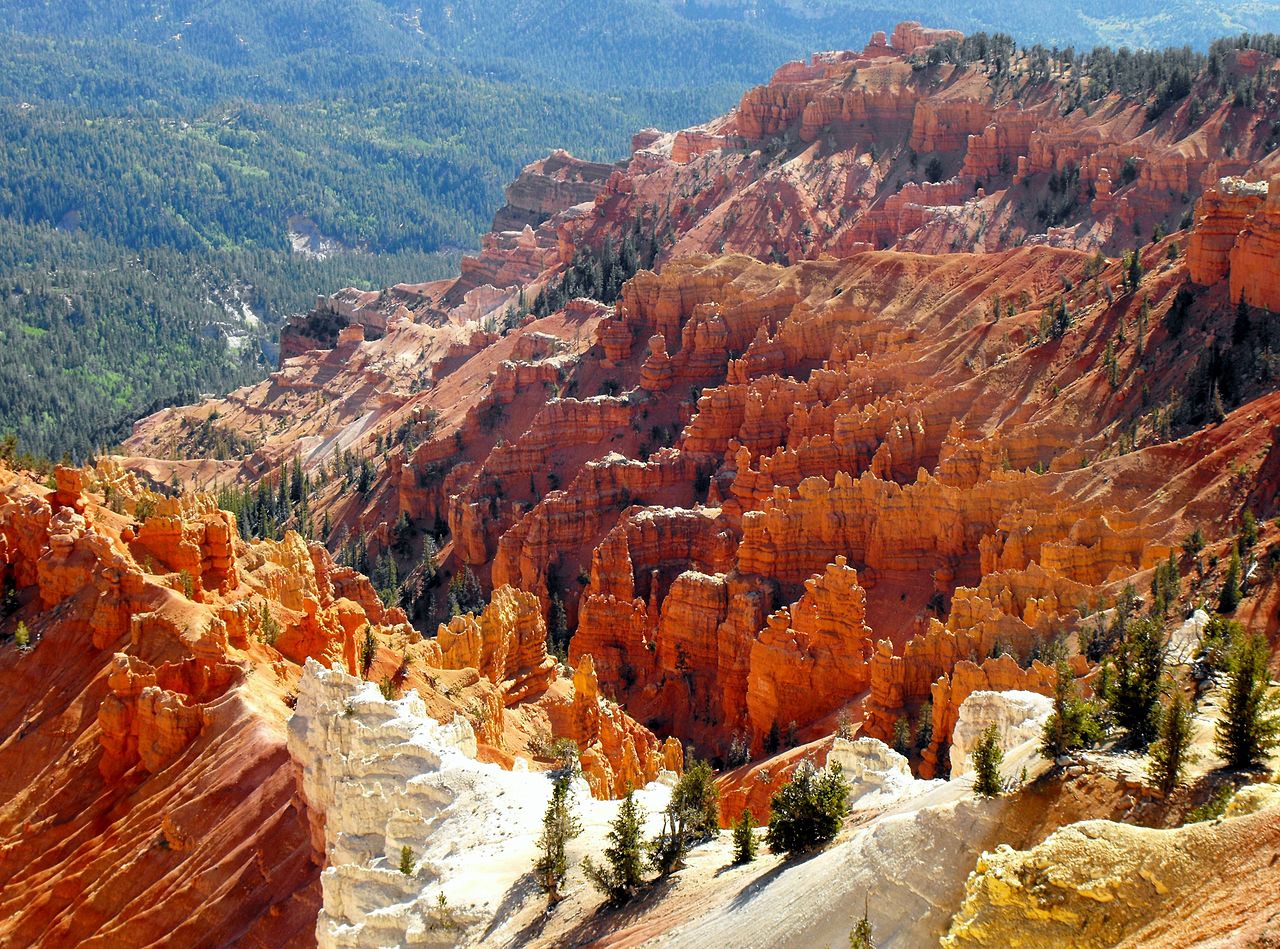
506 643
1099 883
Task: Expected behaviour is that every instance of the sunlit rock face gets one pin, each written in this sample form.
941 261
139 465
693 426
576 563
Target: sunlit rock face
380 776
1019 717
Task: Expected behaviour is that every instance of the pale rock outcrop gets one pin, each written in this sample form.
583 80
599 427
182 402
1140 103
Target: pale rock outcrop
1099 883
377 776
878 775
1018 716
506 643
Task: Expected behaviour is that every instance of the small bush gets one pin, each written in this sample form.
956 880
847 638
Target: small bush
22 636
1214 807
406 860
862 936
442 915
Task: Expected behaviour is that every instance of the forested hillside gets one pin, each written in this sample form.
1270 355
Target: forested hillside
150 201
163 163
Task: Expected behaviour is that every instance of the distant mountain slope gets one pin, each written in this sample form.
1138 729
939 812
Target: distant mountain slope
606 43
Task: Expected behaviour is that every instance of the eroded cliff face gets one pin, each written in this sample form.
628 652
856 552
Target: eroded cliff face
858 441
146 728
1237 236
145 724
876 473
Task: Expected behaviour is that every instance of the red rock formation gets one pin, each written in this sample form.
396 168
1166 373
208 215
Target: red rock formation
157 749
614 751
1221 216
910 36
811 657
1253 259
695 470
1237 234
548 187
506 643
148 753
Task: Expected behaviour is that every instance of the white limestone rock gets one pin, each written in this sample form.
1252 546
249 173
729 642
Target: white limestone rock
384 775
380 775
1018 716
877 774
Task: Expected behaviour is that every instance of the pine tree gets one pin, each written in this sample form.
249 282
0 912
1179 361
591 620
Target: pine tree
1165 585
1217 411
558 630
902 735
22 636
1133 270
623 871
406 860
987 756
268 626
692 816
809 809
1248 531
1240 329
1170 754
559 826
465 593
924 725
744 840
1060 321
1134 698
368 651
1231 593
1250 725
1073 722
773 740
297 482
